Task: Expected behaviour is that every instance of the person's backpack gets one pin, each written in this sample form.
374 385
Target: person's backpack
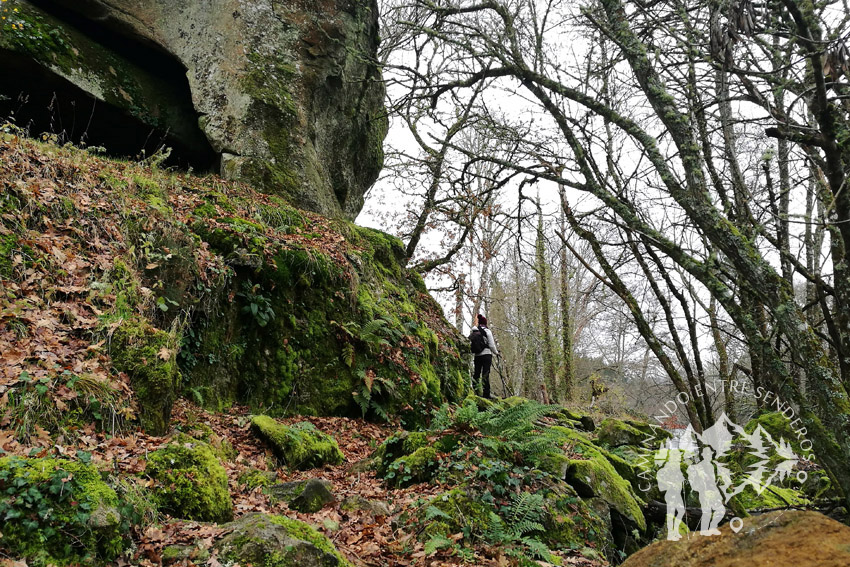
478 341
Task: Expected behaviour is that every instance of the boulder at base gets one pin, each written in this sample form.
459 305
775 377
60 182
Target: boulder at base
191 481
779 538
306 496
275 541
298 446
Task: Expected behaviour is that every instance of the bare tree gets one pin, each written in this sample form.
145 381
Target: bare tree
680 183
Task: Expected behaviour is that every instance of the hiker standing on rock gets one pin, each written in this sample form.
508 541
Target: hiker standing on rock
483 346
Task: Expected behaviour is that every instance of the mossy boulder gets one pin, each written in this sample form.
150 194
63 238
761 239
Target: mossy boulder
596 477
57 512
459 510
399 445
771 497
149 357
573 418
348 333
572 522
778 427
306 496
276 541
419 466
411 457
255 478
592 472
298 446
191 482
357 502
614 432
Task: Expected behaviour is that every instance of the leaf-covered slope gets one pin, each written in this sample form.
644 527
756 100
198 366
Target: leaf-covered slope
120 279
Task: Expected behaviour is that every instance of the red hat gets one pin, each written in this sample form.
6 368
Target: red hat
482 320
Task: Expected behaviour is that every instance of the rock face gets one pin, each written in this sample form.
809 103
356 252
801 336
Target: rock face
280 94
778 538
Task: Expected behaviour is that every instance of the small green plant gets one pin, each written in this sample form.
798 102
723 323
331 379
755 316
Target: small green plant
257 305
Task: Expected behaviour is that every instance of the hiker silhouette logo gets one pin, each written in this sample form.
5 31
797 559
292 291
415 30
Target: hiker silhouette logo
703 465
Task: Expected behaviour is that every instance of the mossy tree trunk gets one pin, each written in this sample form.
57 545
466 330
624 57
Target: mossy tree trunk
549 388
722 360
567 373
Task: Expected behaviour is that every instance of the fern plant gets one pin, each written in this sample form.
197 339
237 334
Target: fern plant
374 393
373 334
519 526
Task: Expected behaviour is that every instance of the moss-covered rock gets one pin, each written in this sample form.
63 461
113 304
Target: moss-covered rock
298 446
276 541
190 481
183 554
306 496
778 427
592 472
573 418
357 502
58 511
399 445
614 432
419 466
358 318
572 522
461 511
770 498
149 357
411 457
255 478
596 477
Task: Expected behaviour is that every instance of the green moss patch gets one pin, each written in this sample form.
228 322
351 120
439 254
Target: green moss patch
771 497
298 446
191 483
149 357
614 432
596 477
255 478
58 511
419 466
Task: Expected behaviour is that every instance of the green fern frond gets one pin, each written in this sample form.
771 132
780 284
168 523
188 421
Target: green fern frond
437 542
348 354
537 548
433 512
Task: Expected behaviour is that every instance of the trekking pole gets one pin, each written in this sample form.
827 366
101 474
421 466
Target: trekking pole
506 388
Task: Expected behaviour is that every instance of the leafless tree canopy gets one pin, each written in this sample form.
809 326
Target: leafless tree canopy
700 150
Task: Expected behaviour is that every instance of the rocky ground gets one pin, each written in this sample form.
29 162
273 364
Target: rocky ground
361 520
